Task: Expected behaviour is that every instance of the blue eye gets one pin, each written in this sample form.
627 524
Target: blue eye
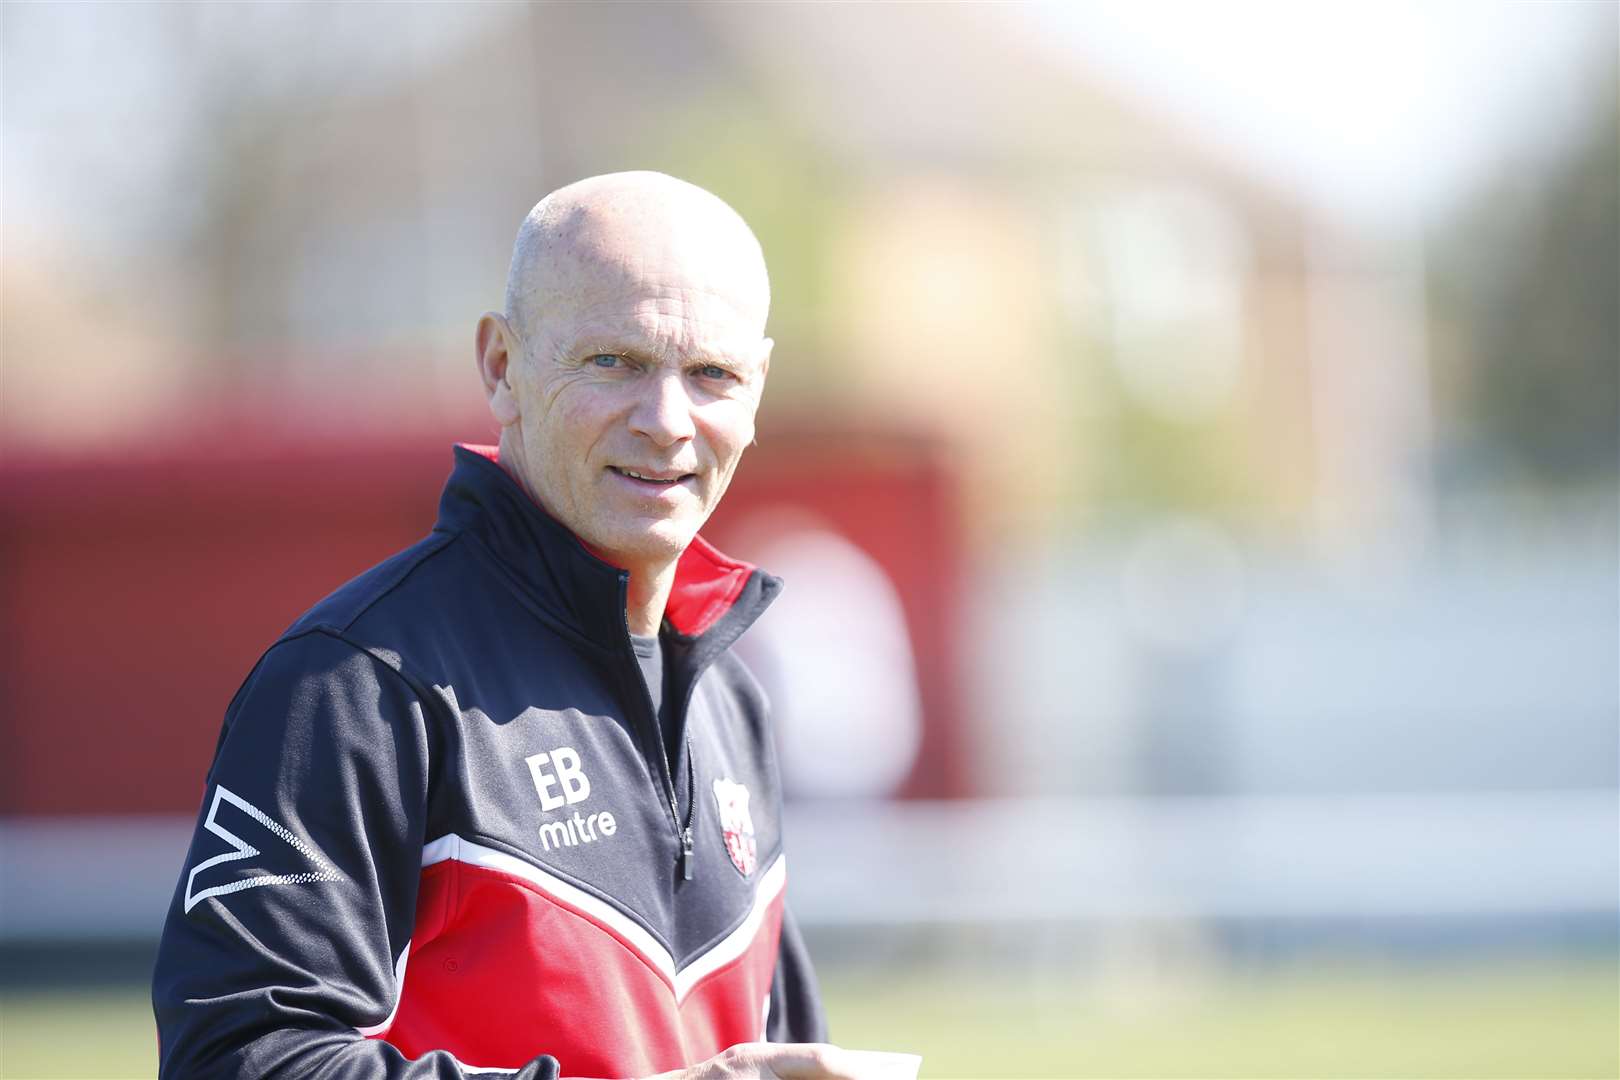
714 371
606 360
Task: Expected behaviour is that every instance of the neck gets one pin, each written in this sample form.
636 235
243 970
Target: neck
649 593
649 585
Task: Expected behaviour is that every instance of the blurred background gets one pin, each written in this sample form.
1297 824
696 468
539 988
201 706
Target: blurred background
1193 440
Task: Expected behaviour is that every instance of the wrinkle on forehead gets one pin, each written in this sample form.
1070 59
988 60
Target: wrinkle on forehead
617 241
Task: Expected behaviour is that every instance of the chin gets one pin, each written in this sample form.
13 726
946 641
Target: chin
662 542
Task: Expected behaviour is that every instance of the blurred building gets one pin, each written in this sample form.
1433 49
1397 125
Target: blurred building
1095 308
973 246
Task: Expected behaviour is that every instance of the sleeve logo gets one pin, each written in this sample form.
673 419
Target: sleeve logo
241 849
736 824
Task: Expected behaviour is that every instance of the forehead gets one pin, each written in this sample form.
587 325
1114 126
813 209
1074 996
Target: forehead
661 306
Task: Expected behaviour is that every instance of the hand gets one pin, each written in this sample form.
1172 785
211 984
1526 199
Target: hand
771 1061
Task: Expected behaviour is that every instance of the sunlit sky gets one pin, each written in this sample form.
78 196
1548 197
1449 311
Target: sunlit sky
1377 111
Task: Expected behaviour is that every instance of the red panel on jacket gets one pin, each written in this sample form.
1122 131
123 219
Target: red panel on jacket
500 971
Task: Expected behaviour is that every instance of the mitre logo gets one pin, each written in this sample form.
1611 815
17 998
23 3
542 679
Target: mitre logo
736 824
560 781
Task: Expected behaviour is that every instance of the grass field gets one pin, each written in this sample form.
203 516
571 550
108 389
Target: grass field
1529 1021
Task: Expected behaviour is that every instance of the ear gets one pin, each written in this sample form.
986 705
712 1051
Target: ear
497 346
765 346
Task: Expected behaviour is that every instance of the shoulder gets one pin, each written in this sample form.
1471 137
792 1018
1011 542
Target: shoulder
314 702
320 670
316 657
374 591
347 644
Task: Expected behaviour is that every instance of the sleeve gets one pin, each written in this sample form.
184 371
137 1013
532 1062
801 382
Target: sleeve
298 894
796 1014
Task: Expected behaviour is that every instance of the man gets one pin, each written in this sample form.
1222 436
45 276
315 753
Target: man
506 802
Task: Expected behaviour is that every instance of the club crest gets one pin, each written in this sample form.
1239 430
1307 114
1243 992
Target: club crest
736 824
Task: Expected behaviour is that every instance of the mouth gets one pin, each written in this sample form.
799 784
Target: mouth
653 479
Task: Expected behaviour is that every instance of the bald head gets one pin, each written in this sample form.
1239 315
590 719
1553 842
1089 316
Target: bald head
613 234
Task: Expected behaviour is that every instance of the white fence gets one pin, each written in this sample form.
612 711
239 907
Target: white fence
1538 854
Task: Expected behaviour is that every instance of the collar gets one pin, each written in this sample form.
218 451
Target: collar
714 597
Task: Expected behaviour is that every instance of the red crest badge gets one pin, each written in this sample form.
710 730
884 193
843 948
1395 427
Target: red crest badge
736 824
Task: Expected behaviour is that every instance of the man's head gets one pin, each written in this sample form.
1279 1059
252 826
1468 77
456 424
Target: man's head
632 344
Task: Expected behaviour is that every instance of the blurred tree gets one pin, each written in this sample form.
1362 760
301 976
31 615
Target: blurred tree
1194 467
1525 286
749 150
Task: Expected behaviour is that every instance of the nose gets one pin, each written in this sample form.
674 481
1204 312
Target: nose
663 409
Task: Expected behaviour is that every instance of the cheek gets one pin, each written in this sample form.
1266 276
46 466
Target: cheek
729 428
575 424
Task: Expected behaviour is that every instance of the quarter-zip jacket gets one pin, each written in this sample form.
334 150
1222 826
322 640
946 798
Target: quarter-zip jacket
441 834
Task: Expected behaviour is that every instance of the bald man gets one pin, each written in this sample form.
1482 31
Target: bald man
506 802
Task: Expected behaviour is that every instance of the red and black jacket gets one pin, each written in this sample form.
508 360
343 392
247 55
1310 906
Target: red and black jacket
440 833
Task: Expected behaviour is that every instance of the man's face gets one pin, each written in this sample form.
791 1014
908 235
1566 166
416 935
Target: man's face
637 389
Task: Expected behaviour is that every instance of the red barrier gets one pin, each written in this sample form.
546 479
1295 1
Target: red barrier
138 593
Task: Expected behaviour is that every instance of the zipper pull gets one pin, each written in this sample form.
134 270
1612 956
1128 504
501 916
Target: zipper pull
686 854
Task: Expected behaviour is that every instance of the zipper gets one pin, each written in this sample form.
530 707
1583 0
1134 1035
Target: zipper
683 833
691 805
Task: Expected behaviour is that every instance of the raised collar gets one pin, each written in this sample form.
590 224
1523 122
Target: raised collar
714 598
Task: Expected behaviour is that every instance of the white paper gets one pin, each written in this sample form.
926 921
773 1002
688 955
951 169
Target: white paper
882 1065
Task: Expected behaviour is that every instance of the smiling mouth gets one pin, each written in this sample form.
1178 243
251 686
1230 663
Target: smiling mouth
663 479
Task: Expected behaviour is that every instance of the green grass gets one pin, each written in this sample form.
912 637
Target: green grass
1540 1021
1524 1022
77 1033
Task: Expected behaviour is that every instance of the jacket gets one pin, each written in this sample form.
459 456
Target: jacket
440 833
